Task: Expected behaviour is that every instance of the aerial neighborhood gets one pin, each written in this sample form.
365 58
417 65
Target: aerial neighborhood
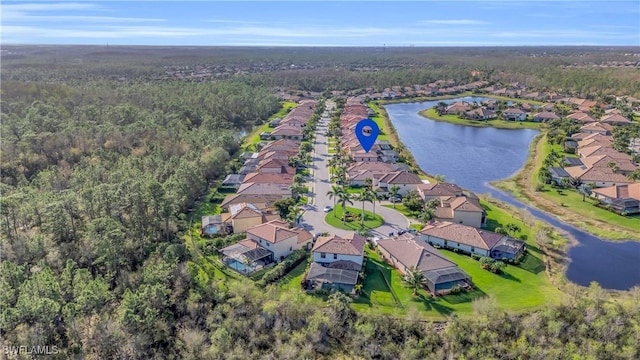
310 163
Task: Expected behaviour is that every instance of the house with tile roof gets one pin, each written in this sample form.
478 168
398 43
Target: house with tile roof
461 210
620 198
545 116
514 114
277 237
480 114
437 190
470 240
350 247
615 119
597 128
581 117
405 180
410 251
285 131
244 216
336 262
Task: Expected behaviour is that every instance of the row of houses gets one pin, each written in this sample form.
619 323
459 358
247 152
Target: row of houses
601 166
337 261
379 164
265 178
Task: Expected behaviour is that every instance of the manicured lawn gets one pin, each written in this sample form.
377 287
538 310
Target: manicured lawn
518 288
502 124
293 279
254 137
354 190
336 220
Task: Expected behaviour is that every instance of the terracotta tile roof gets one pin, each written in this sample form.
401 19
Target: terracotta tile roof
462 234
613 192
412 251
264 188
286 130
513 111
615 119
273 231
269 178
546 115
282 144
596 174
351 244
462 203
597 126
244 210
400 177
303 235
582 117
439 189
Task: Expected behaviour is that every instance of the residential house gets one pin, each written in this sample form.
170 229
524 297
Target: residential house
405 181
244 216
480 114
286 132
602 170
408 251
457 108
597 128
469 240
615 119
514 114
581 117
545 116
620 198
269 178
437 190
274 166
277 237
336 262
461 210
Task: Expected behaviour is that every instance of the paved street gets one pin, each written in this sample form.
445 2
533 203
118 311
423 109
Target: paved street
313 218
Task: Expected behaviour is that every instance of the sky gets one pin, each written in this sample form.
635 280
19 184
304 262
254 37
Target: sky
321 23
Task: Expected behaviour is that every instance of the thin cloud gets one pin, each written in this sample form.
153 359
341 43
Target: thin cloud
456 22
50 6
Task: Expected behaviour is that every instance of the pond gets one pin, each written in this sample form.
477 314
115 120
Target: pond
474 156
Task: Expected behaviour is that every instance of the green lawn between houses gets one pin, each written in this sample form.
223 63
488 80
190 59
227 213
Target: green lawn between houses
254 137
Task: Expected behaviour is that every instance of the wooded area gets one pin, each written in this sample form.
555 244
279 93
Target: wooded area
103 158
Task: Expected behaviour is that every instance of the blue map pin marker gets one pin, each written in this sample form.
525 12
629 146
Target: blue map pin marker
367 139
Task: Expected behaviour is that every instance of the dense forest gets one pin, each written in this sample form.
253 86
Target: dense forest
102 161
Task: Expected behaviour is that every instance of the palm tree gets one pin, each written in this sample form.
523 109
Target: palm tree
372 196
393 192
362 197
415 279
334 194
344 197
426 215
294 213
297 190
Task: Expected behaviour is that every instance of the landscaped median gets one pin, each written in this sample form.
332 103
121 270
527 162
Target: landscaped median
334 218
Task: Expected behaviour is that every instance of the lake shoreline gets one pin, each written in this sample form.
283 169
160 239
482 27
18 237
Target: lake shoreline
560 267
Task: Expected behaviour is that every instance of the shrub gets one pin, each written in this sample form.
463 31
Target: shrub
539 187
497 266
475 256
